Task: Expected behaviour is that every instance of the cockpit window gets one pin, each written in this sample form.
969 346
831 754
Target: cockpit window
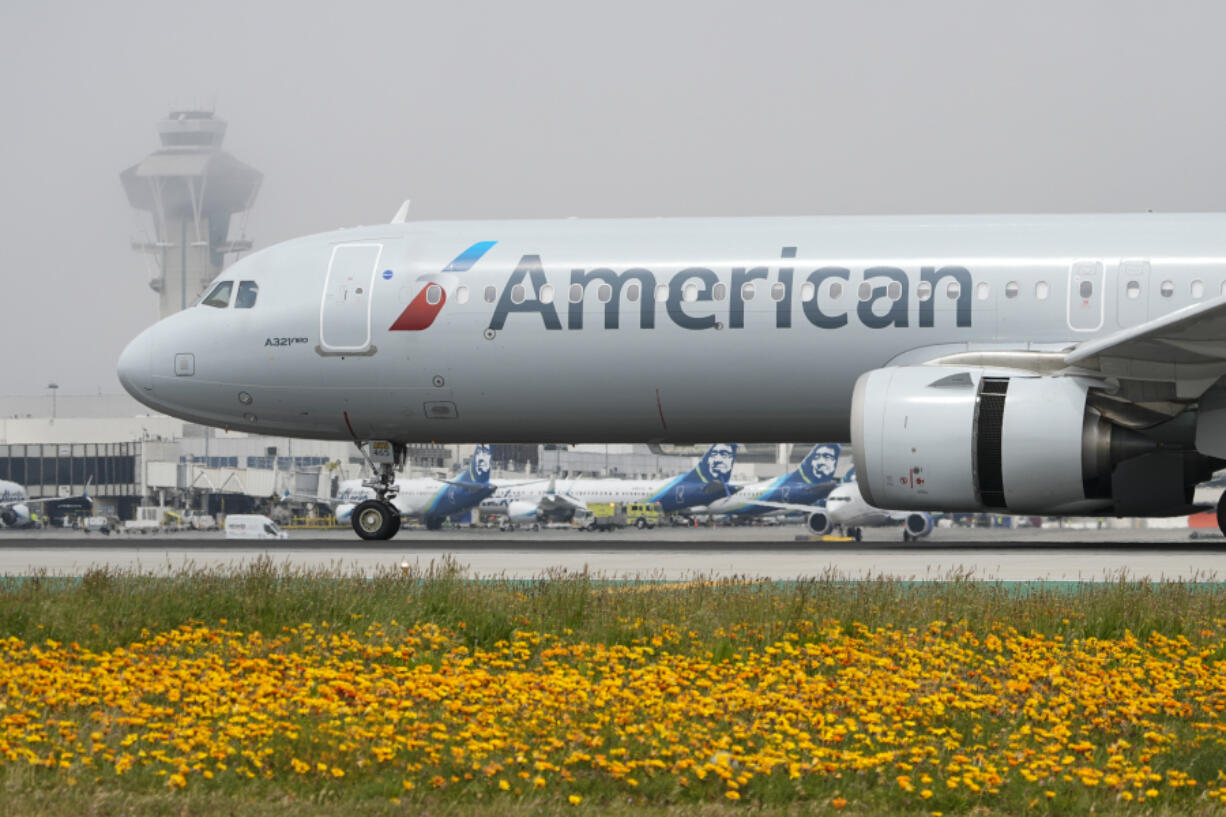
247 292
220 296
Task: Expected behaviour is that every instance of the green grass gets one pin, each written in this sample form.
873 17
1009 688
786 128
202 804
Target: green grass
108 607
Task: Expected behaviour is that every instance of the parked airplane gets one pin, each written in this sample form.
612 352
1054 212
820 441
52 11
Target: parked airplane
428 499
529 502
801 489
845 508
15 505
1064 364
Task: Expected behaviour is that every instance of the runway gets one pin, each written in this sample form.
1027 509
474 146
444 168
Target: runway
669 554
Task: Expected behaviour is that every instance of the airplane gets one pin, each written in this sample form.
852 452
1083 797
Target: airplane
15 504
845 508
799 490
1025 364
428 499
523 503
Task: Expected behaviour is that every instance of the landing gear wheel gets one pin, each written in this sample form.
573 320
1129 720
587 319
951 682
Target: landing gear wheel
855 534
375 520
434 524
1221 514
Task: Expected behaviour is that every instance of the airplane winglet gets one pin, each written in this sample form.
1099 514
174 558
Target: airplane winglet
402 215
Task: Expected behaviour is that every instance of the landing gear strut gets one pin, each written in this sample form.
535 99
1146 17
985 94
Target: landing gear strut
379 519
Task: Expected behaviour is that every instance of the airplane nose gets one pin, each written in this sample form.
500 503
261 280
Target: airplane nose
135 368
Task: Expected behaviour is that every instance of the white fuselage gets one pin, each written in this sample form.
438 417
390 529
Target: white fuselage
845 506
14 512
695 346
415 498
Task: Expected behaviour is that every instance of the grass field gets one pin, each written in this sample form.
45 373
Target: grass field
266 690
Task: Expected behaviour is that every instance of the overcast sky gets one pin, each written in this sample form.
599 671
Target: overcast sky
524 109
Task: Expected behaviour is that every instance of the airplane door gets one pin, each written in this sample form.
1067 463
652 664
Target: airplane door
1085 296
1133 293
344 311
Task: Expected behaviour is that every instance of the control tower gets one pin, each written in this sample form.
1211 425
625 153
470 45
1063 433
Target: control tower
190 187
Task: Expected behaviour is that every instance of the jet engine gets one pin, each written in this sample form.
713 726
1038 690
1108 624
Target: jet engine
9 517
918 525
819 523
15 516
938 438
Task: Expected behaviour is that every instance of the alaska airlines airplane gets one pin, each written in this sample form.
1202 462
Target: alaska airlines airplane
1062 364
15 505
427 499
845 508
798 490
528 503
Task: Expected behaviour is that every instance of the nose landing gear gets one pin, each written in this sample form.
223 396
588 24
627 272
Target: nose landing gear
378 519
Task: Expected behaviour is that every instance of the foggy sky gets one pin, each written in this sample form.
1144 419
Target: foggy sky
528 109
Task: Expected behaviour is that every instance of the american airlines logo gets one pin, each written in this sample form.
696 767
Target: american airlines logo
882 295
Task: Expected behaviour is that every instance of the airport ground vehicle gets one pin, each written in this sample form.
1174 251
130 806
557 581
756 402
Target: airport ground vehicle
99 524
1055 365
605 516
252 526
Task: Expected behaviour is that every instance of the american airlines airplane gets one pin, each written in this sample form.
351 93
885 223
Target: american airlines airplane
529 502
797 490
1060 364
427 499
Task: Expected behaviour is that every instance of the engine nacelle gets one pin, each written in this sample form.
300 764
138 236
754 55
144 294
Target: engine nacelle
819 523
9 517
938 438
918 525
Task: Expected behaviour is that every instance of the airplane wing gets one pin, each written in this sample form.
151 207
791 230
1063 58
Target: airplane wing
554 501
788 506
43 500
1187 347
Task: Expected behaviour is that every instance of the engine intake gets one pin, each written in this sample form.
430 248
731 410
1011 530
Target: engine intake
932 438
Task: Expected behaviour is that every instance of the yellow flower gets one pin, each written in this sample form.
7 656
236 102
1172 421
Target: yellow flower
575 799
504 785
732 794
408 785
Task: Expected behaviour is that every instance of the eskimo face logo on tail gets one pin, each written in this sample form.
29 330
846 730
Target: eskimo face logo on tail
480 468
424 308
719 462
819 466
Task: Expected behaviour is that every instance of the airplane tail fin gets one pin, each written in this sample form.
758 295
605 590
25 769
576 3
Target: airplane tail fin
819 465
478 471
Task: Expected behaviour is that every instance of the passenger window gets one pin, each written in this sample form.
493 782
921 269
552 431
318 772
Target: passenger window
747 291
866 291
1086 289
491 294
719 291
546 294
1011 289
662 292
517 294
982 290
923 291
1167 289
1224 287
893 290
953 290
247 292
1040 290
434 294
807 291
689 293
604 293
1133 290
220 296
1198 289
836 290
576 293
461 294
778 290
632 293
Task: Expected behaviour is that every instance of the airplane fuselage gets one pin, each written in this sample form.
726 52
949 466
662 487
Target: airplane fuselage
580 330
